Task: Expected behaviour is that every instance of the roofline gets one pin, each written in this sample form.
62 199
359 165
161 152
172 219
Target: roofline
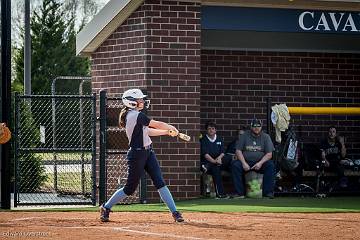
345 5
110 17
115 12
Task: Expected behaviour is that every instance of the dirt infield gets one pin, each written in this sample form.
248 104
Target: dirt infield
198 226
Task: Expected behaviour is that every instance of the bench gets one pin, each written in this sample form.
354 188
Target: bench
207 184
348 173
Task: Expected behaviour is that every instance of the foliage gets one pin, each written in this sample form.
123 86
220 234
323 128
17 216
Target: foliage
31 173
30 169
53 49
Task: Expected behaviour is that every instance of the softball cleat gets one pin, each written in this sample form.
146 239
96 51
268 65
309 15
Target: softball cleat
104 213
177 216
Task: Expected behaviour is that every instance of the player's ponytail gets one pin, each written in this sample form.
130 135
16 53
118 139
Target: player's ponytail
122 117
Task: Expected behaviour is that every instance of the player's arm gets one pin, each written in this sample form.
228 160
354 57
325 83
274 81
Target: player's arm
239 146
161 125
205 151
342 144
164 128
268 149
222 154
323 157
157 132
343 151
266 157
240 156
209 158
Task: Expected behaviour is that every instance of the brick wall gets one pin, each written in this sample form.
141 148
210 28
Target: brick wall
158 49
119 64
236 84
174 85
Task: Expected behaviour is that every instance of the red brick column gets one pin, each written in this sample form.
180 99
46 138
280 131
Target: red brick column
158 49
173 77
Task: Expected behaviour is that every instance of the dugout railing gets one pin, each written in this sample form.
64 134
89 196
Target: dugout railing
310 176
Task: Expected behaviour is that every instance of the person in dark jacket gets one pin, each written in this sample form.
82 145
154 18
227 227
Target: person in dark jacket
212 157
333 150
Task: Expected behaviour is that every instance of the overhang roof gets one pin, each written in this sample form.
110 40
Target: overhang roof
115 12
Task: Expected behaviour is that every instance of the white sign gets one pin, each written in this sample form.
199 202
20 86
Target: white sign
329 21
42 134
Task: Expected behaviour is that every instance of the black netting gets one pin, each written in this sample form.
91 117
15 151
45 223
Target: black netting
54 149
116 149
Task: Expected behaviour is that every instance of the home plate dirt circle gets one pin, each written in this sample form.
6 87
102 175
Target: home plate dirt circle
197 226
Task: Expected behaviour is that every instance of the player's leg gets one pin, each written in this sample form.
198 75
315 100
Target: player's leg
153 169
340 171
136 162
237 173
215 171
268 169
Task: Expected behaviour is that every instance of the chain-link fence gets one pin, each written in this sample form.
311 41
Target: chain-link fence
54 149
114 164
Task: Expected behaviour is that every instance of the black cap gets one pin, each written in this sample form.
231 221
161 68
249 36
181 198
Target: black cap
256 123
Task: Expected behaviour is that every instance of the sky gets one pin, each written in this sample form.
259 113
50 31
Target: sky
17 16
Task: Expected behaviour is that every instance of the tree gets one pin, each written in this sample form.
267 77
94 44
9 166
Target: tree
53 49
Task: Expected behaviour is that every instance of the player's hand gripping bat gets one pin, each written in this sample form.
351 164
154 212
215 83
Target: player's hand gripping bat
180 135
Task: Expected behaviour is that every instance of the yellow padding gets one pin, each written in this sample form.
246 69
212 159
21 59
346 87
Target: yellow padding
325 110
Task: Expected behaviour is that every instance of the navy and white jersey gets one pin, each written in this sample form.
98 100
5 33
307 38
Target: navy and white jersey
137 129
332 150
213 148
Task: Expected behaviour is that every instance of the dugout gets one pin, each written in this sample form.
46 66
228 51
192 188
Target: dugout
221 60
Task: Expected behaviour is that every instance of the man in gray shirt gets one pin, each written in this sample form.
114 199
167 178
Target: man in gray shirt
254 152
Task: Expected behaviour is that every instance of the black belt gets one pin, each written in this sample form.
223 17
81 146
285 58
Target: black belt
142 148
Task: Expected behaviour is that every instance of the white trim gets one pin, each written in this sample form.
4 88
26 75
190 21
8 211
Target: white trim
279 50
104 24
289 4
117 11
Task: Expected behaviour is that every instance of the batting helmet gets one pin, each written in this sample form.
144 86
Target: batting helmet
130 96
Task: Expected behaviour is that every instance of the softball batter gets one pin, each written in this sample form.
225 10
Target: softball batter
141 156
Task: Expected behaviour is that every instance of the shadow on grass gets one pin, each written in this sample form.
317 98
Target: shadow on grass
281 204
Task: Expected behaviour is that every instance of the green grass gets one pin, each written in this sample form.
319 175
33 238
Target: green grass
69 156
281 204
68 181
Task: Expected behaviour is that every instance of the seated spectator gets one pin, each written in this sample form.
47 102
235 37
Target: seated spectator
254 153
231 158
332 152
231 148
212 153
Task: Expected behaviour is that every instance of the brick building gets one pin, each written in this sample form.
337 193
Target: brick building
222 60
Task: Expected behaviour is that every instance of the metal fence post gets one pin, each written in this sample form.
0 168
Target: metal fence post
53 108
16 153
81 125
93 160
102 154
268 115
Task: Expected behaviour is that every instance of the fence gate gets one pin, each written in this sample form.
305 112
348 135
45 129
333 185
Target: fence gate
55 149
113 149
